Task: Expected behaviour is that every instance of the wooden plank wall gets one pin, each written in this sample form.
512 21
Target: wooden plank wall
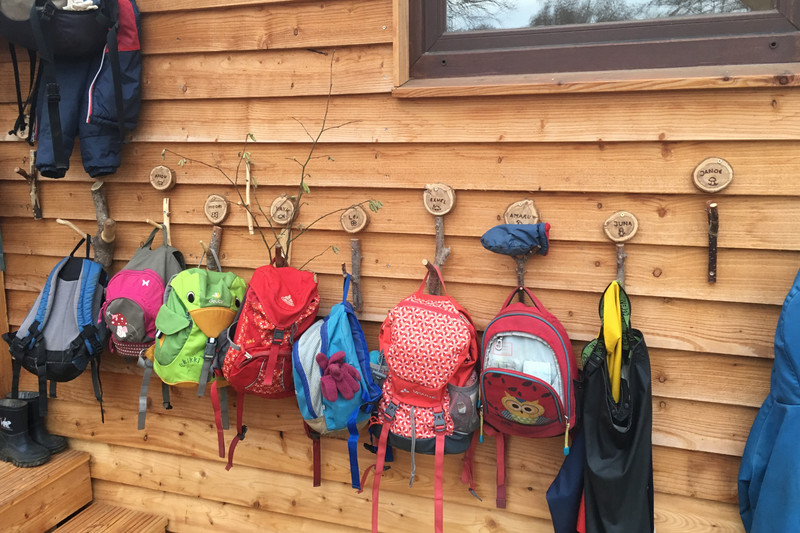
217 70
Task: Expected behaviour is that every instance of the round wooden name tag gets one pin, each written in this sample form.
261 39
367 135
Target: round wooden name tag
621 226
162 178
281 210
439 198
216 208
713 174
522 212
355 219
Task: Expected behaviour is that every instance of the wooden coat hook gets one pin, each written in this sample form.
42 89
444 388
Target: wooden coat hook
713 231
621 227
165 224
439 199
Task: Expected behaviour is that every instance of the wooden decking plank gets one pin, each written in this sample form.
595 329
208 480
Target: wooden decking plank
106 518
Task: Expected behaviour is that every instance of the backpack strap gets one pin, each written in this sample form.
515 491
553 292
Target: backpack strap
315 448
205 372
148 371
388 416
21 124
219 401
241 429
439 427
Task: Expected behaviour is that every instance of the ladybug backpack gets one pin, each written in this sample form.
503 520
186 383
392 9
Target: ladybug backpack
279 305
527 377
429 402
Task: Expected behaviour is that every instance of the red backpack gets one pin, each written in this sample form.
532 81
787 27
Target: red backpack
527 377
429 402
279 305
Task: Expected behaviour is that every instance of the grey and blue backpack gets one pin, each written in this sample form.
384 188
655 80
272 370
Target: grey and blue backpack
59 337
333 381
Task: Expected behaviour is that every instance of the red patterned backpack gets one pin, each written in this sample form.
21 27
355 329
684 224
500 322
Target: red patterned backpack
279 305
429 402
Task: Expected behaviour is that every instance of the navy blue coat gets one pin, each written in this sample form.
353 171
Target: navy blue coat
88 108
769 477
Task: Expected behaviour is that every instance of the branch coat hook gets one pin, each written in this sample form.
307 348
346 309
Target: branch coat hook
355 219
711 176
32 177
713 231
621 227
439 200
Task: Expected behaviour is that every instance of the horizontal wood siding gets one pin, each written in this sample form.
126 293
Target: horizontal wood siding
217 70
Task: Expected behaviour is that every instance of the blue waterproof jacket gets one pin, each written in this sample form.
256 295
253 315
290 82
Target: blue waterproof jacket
769 477
88 107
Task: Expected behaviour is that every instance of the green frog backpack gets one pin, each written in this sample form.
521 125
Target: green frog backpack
199 305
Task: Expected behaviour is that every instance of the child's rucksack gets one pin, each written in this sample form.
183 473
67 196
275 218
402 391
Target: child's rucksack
527 373
135 295
59 336
333 381
430 392
199 305
280 304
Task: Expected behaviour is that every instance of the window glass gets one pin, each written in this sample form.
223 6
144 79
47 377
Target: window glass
471 15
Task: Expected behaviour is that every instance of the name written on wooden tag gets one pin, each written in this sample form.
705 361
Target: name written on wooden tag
216 208
282 210
621 226
162 178
713 174
522 212
354 219
439 198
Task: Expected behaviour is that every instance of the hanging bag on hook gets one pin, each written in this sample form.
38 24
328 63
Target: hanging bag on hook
135 294
527 377
199 305
59 338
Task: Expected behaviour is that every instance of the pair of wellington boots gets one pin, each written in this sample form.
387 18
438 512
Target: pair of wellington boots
24 439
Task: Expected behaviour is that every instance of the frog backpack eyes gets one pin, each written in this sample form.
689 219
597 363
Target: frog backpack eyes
190 297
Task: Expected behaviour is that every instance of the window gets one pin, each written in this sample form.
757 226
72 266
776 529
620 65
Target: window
754 33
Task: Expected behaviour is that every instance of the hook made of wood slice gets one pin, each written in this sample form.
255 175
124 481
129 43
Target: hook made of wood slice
282 210
354 219
712 174
216 208
522 212
621 226
438 198
162 178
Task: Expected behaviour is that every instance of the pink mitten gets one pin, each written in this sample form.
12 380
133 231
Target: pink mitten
337 377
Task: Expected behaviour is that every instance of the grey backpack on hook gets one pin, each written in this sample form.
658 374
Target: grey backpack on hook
59 337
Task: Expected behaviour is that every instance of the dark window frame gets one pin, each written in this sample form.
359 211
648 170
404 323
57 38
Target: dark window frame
762 37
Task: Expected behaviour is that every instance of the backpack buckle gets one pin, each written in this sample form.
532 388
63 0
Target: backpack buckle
53 94
389 411
47 12
277 336
241 434
439 424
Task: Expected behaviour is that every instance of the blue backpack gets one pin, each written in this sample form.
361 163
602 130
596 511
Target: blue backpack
59 337
333 382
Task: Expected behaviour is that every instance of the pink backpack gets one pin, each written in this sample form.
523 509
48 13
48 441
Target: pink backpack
135 294
429 402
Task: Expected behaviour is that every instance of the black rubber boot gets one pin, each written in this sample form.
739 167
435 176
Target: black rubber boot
16 445
36 426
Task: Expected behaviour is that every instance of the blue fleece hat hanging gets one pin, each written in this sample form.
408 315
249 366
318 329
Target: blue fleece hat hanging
517 239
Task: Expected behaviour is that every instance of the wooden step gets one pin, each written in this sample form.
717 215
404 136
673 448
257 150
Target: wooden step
102 517
38 498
